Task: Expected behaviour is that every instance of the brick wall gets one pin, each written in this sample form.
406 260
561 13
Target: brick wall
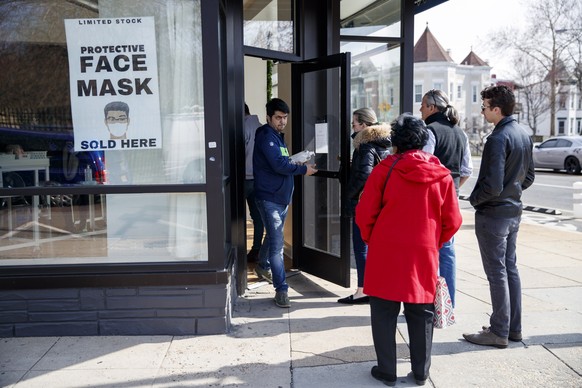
161 310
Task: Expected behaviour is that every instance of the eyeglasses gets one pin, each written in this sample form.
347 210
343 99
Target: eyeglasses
483 107
111 119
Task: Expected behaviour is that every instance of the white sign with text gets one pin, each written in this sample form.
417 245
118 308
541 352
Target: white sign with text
114 89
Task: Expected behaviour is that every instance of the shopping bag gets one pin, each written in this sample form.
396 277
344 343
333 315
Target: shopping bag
444 315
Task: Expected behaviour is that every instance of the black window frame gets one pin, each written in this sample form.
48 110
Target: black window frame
211 271
280 55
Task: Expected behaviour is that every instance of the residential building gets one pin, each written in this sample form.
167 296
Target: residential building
568 110
435 69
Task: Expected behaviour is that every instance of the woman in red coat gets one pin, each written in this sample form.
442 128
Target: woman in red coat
408 209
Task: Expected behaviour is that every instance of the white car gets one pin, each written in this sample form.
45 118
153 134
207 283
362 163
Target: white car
559 153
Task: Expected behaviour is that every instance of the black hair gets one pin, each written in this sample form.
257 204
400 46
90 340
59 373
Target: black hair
247 111
116 105
408 133
500 96
276 104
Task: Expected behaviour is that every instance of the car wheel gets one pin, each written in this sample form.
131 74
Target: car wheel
572 165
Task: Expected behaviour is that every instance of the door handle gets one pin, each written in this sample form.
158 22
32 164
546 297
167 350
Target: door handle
327 174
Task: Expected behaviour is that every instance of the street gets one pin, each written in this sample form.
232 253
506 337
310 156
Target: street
551 195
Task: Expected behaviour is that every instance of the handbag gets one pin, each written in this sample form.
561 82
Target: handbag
444 315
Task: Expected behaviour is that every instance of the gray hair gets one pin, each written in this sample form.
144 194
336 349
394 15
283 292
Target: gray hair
440 99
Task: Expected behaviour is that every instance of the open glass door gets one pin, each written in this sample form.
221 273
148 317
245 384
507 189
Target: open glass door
321 123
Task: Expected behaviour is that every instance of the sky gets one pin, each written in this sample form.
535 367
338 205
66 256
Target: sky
460 25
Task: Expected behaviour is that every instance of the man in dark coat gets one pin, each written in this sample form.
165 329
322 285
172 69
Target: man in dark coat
506 170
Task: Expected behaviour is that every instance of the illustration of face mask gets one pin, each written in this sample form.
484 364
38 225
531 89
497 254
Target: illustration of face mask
117 129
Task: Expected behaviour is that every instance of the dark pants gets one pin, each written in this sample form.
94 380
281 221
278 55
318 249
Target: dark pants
497 239
419 319
360 252
258 227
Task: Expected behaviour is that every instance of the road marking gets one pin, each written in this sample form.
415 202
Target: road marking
555 186
532 208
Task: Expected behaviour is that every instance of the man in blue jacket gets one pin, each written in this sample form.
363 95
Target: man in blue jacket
273 175
506 170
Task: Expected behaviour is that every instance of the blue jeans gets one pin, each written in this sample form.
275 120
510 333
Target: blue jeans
271 253
258 228
448 266
497 239
360 252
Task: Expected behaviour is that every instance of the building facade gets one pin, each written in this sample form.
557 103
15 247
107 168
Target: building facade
122 208
568 112
435 69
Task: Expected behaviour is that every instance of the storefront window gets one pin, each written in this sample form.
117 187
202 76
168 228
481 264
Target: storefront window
108 228
269 25
371 18
69 69
375 77
101 92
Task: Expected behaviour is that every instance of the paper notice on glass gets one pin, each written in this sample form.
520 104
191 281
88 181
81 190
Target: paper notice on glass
113 71
321 146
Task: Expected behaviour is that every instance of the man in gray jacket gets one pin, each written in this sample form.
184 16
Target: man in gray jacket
251 124
448 142
506 170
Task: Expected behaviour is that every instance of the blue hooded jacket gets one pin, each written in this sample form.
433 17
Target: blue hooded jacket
272 169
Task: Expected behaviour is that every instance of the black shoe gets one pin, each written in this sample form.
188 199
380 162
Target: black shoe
350 300
389 380
253 256
418 381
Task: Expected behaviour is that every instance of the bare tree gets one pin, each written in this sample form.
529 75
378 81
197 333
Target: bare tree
477 130
574 51
543 41
533 93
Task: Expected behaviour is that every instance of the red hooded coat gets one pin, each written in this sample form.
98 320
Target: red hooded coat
405 225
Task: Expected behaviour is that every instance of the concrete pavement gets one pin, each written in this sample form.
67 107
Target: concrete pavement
320 343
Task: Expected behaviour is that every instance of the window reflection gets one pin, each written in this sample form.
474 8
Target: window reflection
112 228
268 24
37 143
35 103
371 18
375 77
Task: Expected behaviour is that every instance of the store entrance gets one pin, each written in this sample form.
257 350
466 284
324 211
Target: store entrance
317 234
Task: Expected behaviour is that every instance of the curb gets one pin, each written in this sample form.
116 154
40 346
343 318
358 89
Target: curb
535 209
544 210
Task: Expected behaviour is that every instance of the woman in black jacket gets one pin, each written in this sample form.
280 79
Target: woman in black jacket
371 141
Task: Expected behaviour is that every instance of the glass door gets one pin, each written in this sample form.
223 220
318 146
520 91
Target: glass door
321 123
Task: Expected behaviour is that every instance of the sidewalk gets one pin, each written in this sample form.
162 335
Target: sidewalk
320 343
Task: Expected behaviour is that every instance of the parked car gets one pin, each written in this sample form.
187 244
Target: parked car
65 165
559 153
